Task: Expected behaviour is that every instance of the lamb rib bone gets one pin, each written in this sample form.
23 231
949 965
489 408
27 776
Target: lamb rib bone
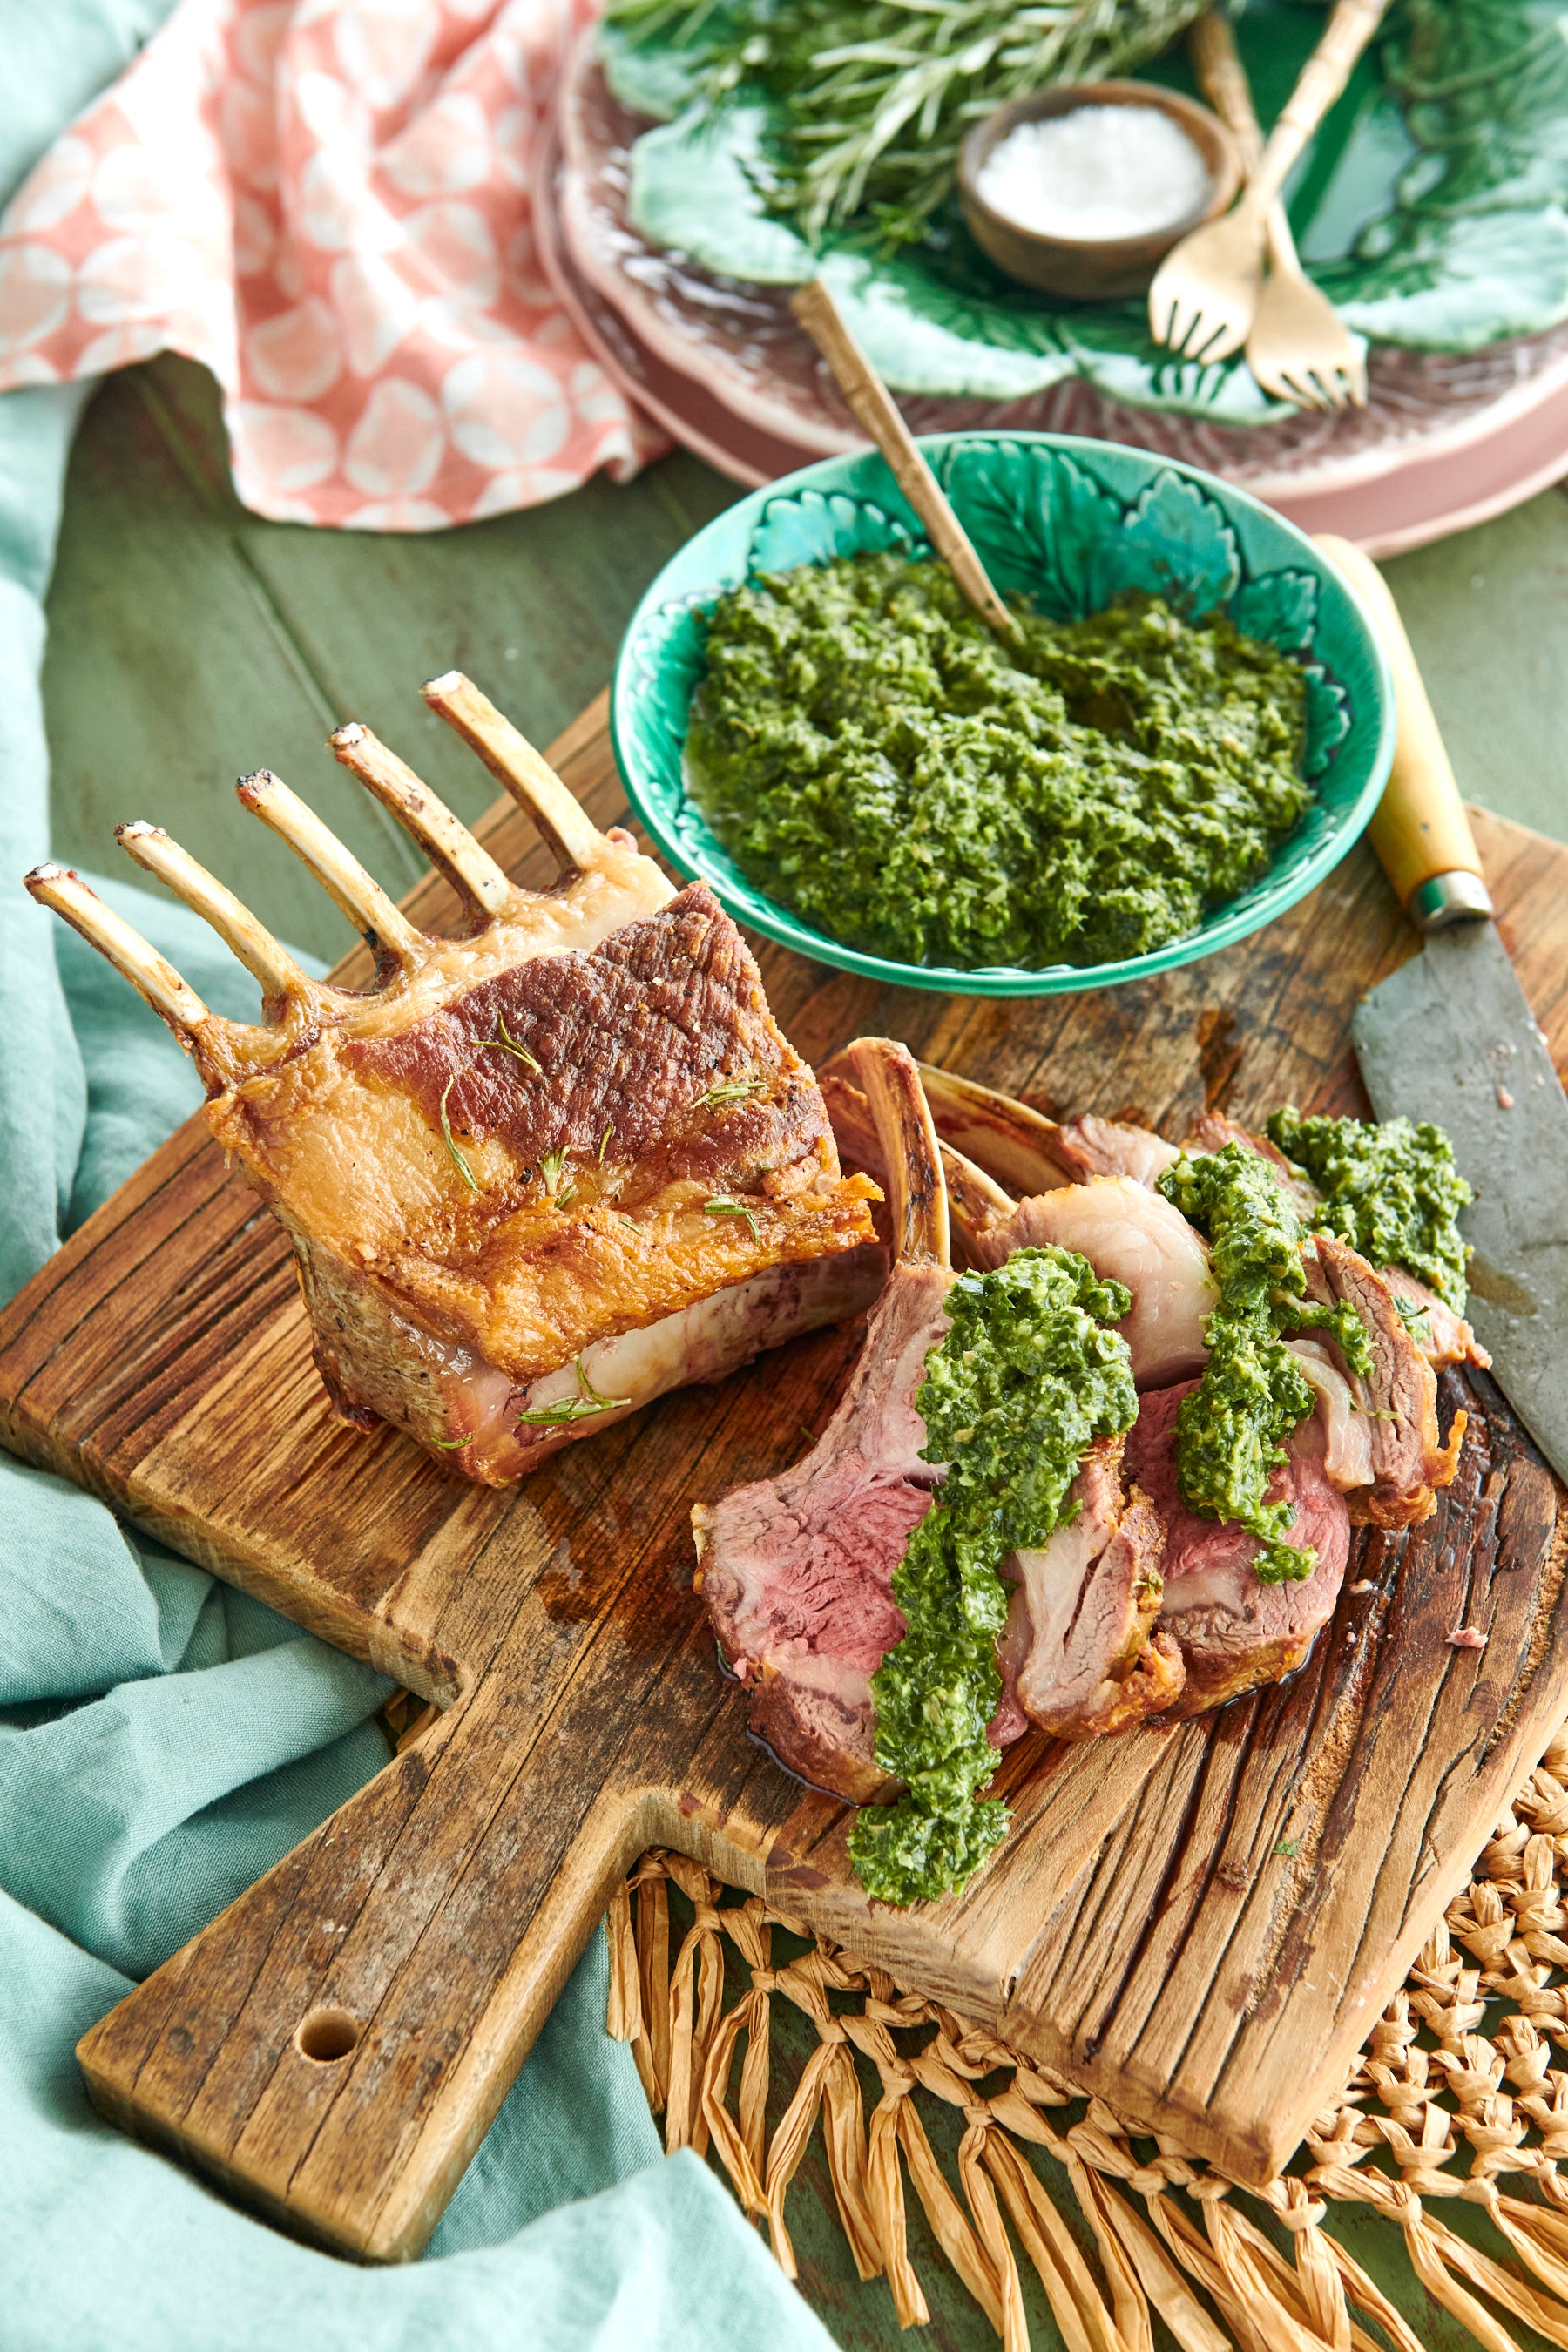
539 1173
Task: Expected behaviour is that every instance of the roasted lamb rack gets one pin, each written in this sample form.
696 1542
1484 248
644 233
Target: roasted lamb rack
796 1571
1372 1451
539 1173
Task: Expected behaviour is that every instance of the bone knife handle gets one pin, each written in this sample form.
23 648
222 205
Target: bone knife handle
1420 830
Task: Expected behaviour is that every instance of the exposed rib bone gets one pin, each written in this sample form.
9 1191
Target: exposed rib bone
472 871
887 1075
976 1202
239 929
529 778
997 1131
338 871
172 998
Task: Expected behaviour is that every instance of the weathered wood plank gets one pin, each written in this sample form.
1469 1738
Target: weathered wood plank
1197 1920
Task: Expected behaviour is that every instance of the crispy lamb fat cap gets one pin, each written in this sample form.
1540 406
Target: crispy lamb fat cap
539 1173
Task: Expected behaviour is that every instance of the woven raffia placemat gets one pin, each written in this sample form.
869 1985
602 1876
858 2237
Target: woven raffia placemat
1453 2095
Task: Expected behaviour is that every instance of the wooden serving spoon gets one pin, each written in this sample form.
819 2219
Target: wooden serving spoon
876 410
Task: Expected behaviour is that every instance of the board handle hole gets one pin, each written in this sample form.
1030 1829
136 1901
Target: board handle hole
326 2034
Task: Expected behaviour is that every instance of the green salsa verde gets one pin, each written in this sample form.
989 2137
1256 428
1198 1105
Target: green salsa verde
1026 1377
1231 1429
1392 1190
877 759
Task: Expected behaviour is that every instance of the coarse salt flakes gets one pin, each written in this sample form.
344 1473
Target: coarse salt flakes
1095 173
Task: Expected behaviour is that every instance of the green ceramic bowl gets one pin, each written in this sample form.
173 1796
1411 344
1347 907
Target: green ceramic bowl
1071 524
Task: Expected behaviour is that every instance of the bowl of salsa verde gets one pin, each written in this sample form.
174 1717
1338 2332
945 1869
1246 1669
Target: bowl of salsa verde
1189 730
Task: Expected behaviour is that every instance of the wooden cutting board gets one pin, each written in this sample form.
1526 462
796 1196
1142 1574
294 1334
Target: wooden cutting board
1200 1922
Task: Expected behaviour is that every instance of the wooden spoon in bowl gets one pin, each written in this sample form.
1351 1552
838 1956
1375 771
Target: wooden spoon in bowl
877 412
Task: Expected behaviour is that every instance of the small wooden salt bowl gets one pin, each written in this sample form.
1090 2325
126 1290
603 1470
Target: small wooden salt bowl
1091 269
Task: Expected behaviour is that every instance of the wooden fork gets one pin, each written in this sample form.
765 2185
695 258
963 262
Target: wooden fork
1299 348
1205 296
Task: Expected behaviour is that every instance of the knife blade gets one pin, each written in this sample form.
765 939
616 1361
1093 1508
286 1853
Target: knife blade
1450 1037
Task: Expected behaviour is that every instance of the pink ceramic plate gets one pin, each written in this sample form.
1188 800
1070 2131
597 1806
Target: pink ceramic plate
1444 441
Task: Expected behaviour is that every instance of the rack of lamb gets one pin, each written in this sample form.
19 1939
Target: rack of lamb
538 1173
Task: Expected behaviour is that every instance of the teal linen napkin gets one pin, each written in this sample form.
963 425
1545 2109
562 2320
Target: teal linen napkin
163 1739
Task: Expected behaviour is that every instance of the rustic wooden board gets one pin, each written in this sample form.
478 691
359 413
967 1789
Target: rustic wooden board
1199 1922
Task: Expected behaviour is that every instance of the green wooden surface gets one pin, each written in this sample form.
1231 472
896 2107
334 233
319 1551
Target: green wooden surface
189 643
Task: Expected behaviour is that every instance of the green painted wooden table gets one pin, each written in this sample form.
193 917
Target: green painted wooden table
189 643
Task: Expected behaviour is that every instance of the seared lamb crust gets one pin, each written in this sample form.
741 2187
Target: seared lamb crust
538 1259
628 1038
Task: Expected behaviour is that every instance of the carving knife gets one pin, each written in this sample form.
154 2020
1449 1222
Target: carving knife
1450 1037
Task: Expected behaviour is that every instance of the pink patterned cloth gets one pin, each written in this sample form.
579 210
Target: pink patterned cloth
327 202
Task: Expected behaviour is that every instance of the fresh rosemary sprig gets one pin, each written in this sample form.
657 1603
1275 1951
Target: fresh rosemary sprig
468 1176
877 95
731 1090
720 1206
506 1044
549 1167
577 1408
449 1445
604 1141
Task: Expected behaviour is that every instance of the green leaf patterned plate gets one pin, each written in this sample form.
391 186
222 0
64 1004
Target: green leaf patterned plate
1070 524
1433 207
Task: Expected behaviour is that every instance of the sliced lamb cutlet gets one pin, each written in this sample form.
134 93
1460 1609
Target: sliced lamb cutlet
1079 1652
1234 1631
796 1571
1214 1130
1387 1421
1408 1459
1077 1655
1449 1338
539 1173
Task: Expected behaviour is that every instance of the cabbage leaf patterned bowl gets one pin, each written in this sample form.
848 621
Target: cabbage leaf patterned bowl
1070 525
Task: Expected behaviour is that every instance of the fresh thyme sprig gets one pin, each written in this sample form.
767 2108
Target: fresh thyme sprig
577 1408
721 1206
731 1090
